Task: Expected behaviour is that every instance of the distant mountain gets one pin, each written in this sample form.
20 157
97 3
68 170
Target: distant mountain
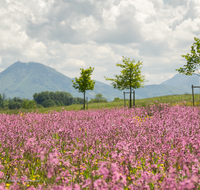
184 82
24 79
156 90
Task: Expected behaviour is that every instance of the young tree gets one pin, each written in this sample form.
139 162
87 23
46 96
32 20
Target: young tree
131 76
193 59
84 82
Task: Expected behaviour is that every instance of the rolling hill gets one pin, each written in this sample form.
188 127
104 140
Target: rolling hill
184 82
24 79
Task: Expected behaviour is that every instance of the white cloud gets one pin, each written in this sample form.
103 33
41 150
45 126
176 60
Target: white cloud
69 35
86 25
36 49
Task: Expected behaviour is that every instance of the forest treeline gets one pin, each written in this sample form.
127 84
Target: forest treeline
47 99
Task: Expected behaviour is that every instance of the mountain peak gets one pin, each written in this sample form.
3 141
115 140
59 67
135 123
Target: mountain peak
25 79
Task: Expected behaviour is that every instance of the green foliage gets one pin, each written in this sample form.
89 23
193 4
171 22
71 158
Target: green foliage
3 96
5 103
130 78
84 82
1 101
59 103
39 106
14 105
59 98
17 99
98 98
82 108
117 99
169 99
78 100
131 75
48 103
28 104
193 59
41 97
41 100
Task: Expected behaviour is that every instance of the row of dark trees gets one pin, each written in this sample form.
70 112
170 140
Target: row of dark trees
46 99
15 103
49 99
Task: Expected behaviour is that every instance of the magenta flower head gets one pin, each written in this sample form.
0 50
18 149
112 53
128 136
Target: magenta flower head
30 142
76 187
103 170
53 160
50 172
1 174
2 188
42 157
194 179
114 168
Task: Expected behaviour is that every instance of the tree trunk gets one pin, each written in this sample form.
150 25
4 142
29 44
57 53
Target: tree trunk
130 98
84 101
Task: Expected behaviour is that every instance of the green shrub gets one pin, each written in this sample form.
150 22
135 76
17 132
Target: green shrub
28 104
48 103
117 99
14 105
39 106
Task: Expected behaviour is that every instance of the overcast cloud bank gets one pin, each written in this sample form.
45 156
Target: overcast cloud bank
74 34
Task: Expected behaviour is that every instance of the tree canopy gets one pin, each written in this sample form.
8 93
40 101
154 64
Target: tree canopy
193 59
84 82
98 98
48 99
130 78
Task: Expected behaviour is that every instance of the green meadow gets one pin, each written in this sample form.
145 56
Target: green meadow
171 100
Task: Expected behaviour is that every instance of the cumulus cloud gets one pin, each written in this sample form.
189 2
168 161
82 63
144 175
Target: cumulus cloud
74 34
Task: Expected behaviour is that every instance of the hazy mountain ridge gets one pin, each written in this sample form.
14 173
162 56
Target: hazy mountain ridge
183 82
24 79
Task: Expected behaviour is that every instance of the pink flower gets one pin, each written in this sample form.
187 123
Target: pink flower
194 178
97 183
1 174
30 141
187 183
88 182
103 170
57 179
52 159
187 170
115 176
42 157
2 188
50 172
32 188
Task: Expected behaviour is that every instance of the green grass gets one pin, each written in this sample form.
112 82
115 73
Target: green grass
170 99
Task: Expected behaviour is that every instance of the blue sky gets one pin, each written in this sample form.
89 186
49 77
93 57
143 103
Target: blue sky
74 34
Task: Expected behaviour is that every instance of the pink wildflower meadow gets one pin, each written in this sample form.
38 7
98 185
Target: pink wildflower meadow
155 148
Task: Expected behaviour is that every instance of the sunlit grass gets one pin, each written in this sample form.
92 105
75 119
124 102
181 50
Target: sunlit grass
170 99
